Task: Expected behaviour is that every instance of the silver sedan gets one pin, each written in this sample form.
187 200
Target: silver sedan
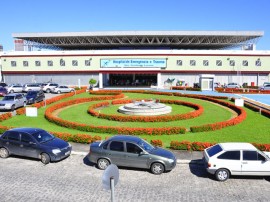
62 89
131 151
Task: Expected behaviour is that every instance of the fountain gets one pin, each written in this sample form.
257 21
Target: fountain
145 108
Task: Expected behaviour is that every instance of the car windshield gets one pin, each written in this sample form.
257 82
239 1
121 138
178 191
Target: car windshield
145 145
8 98
43 136
31 93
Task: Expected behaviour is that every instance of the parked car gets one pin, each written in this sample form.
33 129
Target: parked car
265 87
131 151
34 143
31 86
217 85
48 87
12 101
232 85
3 91
15 88
62 89
225 159
34 96
3 84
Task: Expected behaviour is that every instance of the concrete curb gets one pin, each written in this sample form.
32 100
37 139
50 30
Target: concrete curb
182 161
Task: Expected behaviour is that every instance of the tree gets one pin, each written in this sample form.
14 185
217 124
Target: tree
92 82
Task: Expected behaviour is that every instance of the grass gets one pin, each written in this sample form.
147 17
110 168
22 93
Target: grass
255 128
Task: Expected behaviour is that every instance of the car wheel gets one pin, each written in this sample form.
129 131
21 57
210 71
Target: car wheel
222 174
103 164
157 168
12 107
59 92
4 153
12 91
48 90
45 158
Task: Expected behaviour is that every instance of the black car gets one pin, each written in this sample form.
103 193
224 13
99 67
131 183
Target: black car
34 96
33 143
131 151
3 84
3 91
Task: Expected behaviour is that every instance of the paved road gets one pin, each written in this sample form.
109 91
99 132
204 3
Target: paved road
74 179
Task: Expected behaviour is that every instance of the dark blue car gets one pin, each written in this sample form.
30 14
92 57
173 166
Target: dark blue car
33 143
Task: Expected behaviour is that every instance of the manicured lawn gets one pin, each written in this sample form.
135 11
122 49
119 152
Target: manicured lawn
255 128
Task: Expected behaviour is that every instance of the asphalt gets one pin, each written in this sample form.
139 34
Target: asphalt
183 157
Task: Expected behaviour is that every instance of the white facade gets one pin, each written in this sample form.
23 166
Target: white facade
67 67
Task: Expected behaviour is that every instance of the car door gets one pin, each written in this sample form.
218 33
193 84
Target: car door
116 153
19 101
28 146
135 157
66 89
17 88
230 160
254 163
12 142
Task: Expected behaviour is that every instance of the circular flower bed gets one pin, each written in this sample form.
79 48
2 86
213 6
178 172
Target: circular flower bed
162 118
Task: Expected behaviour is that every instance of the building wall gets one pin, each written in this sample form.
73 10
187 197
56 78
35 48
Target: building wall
181 64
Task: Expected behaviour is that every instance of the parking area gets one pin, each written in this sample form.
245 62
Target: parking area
75 179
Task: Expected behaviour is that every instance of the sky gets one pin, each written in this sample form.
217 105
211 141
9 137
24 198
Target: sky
24 16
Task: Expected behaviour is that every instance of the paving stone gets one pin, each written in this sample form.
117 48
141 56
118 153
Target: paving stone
73 179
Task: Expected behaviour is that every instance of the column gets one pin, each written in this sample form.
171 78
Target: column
100 80
159 83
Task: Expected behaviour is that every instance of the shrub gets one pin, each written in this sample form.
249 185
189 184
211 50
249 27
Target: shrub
157 143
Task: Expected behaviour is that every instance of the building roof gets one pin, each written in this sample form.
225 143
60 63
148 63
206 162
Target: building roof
199 40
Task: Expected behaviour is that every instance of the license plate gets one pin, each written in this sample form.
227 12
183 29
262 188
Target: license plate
67 153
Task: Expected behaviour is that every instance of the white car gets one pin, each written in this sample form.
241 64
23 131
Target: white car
265 87
48 87
232 85
225 159
62 89
15 88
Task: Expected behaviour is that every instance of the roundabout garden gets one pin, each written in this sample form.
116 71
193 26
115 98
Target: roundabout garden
195 121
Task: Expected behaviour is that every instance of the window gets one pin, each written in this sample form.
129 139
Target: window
232 63
26 138
179 62
13 64
245 63
117 146
230 155
87 62
214 150
219 63
74 62
132 148
105 145
50 63
13 136
206 63
25 63
62 63
258 63
252 156
37 63
192 63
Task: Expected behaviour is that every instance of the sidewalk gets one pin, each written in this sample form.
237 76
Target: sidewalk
183 157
